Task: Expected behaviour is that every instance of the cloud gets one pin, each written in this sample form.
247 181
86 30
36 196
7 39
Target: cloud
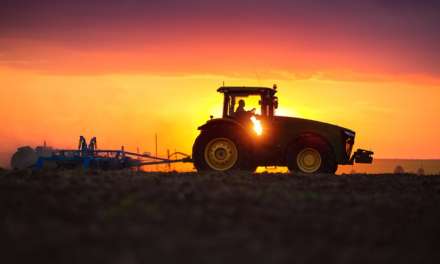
222 37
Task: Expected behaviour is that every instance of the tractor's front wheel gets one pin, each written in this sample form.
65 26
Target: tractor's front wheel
311 156
220 151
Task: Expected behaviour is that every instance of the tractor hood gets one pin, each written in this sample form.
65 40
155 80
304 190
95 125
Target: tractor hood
308 125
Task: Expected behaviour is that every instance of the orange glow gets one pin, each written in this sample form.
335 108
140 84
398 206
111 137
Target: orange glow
257 126
129 109
124 97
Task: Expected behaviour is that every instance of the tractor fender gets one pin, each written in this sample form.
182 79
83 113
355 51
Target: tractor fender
307 135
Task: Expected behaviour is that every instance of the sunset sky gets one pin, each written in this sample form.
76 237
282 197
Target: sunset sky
125 70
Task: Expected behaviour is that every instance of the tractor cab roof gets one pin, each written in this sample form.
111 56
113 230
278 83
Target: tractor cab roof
247 90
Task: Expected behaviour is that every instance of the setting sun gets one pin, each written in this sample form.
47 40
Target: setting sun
257 125
284 111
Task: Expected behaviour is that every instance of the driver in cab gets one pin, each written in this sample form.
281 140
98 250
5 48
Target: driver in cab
241 113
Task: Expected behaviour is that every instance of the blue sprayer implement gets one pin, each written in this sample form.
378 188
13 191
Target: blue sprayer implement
88 156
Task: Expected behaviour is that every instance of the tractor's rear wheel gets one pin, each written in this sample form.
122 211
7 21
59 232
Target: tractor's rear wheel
221 151
311 155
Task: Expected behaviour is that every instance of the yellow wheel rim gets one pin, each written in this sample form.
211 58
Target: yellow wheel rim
221 154
309 160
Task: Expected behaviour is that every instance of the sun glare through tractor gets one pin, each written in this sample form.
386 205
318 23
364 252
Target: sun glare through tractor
257 126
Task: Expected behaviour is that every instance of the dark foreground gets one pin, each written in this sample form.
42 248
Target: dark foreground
74 217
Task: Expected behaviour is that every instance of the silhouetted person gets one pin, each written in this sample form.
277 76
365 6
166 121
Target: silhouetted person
240 109
240 112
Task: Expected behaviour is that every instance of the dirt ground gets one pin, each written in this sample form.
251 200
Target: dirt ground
129 217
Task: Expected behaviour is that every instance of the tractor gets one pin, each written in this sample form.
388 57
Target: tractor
261 138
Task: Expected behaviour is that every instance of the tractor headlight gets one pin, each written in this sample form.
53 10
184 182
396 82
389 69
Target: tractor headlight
349 141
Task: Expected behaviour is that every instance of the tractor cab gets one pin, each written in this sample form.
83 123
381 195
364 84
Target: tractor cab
264 98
